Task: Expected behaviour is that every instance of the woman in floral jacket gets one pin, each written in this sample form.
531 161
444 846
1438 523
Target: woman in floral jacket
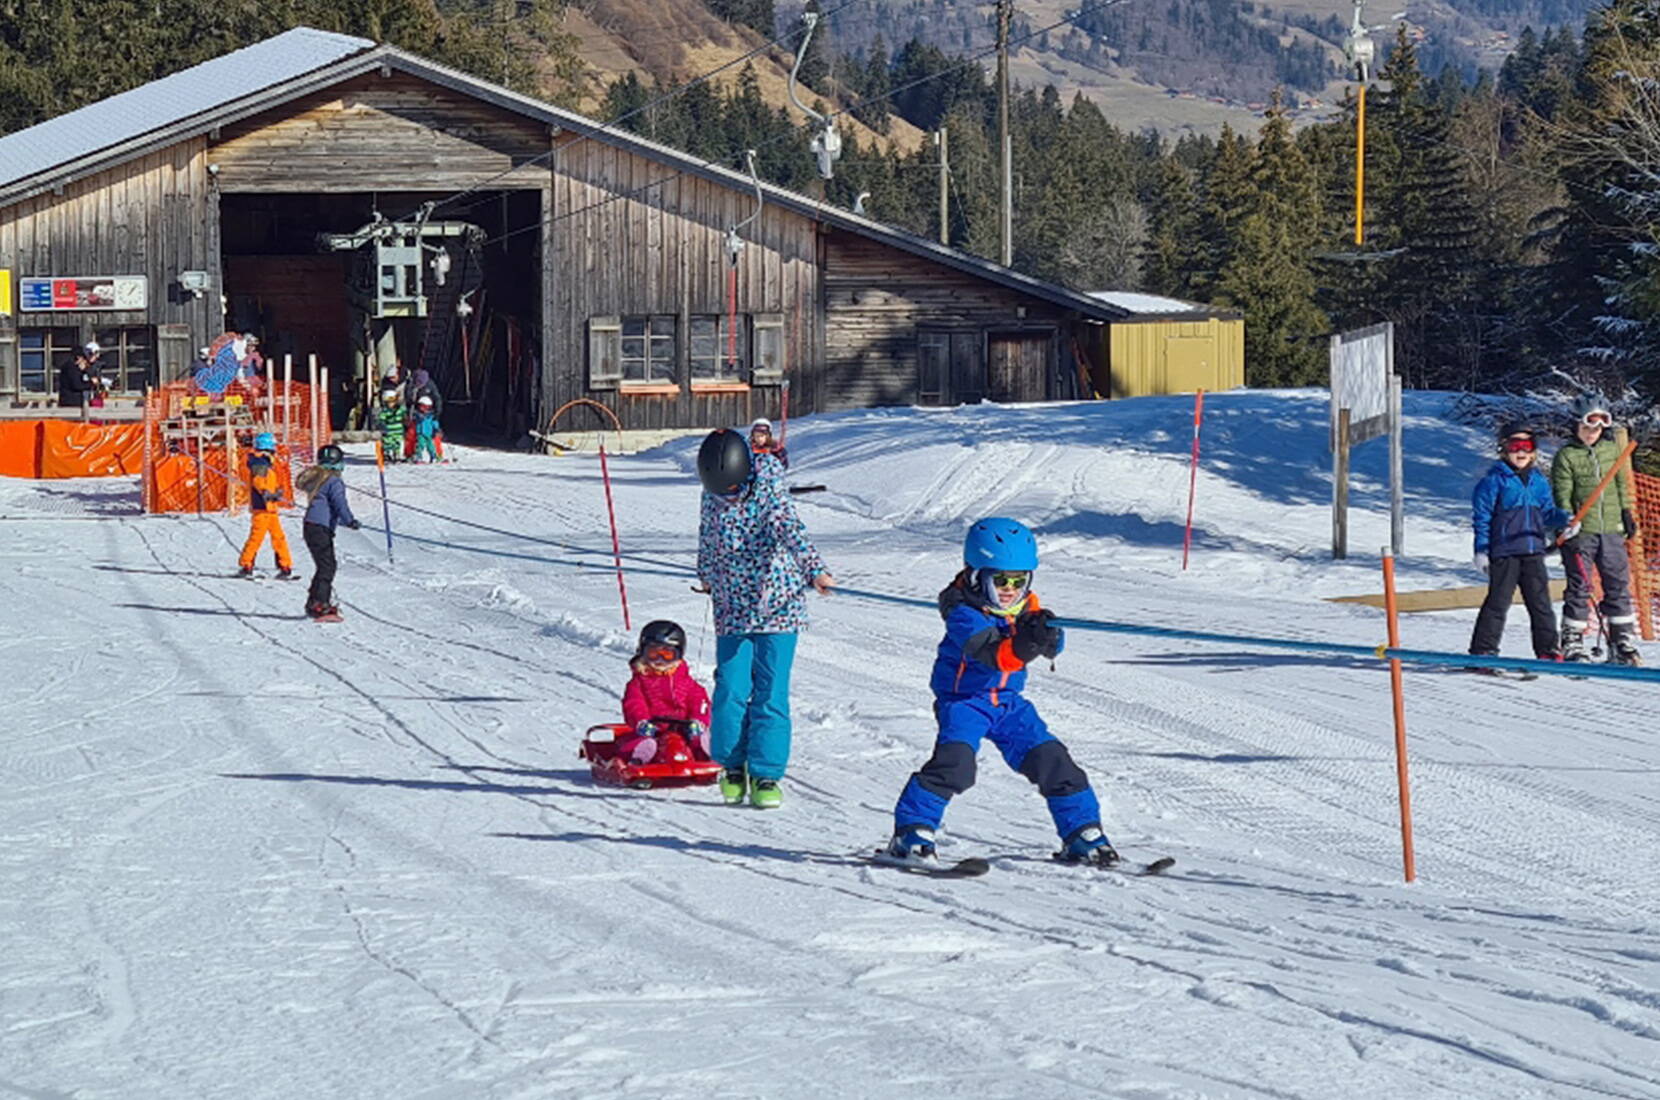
755 560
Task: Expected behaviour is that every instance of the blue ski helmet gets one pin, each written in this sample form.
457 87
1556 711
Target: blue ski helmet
265 441
999 543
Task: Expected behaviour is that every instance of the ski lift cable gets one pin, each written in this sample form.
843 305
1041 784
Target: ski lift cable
719 162
596 131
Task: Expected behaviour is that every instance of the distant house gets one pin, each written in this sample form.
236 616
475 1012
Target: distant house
1167 345
540 258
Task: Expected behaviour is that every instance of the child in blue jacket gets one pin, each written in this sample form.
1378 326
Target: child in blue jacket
1513 513
994 627
327 508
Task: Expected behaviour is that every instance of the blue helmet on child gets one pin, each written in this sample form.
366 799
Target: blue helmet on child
265 441
999 543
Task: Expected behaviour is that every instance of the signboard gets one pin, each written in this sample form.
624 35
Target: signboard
1361 363
60 294
5 293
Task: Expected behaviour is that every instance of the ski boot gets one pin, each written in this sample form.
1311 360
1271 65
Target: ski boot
1573 646
1623 651
246 572
913 844
1089 845
284 574
766 794
734 786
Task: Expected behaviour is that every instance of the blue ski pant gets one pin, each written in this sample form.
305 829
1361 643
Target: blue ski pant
1013 725
749 723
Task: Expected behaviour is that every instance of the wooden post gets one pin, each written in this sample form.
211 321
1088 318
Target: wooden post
1397 464
1340 489
311 400
1005 9
942 138
197 424
287 400
1408 866
326 416
1193 473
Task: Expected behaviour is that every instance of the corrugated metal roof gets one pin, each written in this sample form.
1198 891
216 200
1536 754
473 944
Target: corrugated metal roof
1137 302
171 99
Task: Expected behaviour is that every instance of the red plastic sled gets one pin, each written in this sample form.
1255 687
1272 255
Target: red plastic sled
677 763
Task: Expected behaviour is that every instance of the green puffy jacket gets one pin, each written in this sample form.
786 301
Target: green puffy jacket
1575 473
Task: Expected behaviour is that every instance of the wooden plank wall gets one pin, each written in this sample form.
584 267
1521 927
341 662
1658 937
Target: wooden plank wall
621 246
877 295
153 216
374 133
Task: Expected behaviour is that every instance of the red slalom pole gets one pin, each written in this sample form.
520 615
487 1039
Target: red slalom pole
616 546
1403 785
1193 474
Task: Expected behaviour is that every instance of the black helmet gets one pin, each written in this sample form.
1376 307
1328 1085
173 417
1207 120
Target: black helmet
1514 428
723 462
661 632
330 457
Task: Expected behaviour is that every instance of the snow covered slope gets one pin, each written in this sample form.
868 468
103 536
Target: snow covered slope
244 855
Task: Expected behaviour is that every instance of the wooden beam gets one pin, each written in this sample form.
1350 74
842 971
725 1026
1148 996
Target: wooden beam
1441 599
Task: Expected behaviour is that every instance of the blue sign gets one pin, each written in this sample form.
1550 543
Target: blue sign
35 293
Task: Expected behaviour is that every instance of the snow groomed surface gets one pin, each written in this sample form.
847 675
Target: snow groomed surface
248 856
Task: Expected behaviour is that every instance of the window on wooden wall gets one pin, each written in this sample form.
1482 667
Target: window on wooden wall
42 352
711 343
128 359
648 350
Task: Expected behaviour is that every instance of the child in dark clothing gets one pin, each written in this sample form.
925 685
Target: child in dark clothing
994 627
328 507
1513 513
662 690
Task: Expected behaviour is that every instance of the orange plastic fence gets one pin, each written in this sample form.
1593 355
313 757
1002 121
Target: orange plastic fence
1645 553
69 448
189 470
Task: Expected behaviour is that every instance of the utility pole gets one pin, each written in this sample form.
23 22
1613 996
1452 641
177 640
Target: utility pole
942 138
1005 9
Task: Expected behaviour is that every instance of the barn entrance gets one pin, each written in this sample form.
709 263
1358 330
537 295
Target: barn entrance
459 296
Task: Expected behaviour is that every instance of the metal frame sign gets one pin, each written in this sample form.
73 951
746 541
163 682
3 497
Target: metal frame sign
1361 363
59 294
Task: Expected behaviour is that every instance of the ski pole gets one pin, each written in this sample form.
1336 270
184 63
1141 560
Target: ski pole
385 505
1193 473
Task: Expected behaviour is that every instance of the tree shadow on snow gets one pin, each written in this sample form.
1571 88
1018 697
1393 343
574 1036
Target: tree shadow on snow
681 844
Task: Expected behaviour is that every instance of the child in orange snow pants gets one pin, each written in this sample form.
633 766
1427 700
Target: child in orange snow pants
265 498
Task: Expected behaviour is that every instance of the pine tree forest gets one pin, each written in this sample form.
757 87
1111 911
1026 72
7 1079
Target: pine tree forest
1512 219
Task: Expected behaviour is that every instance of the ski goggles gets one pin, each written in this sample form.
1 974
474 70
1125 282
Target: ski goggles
1597 419
661 654
1518 446
1010 580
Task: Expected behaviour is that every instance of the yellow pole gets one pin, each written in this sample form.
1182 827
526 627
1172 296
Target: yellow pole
1360 167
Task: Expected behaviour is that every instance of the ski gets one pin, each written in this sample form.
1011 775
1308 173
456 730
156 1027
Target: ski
1123 867
1519 675
972 867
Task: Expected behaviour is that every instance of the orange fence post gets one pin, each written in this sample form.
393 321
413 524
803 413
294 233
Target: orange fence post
1408 864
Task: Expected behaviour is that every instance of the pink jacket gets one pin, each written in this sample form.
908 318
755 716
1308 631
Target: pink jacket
675 695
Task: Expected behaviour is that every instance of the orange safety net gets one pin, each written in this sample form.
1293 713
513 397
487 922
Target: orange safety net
56 448
196 446
1645 552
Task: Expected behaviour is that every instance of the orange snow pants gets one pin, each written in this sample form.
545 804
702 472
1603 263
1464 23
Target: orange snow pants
266 523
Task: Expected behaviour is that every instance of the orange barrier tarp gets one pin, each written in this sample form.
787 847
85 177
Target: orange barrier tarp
70 448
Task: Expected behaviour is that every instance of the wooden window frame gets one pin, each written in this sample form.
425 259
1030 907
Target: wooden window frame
659 372
58 341
768 327
115 355
604 352
733 379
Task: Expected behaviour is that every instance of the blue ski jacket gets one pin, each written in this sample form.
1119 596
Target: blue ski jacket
1513 512
328 505
976 656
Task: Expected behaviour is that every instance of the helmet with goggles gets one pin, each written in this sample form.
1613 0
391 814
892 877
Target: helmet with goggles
1592 412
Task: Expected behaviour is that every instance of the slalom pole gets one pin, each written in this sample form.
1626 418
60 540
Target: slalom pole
1607 479
385 504
1408 867
1193 473
616 545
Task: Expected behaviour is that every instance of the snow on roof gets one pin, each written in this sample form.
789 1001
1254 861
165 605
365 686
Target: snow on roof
171 99
1136 302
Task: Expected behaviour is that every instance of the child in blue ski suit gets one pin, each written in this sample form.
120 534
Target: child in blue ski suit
428 436
755 560
1514 513
994 627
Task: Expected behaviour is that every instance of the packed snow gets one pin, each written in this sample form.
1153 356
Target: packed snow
247 855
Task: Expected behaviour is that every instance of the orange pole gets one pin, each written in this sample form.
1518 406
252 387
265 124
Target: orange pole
1360 167
1193 473
1408 866
1596 494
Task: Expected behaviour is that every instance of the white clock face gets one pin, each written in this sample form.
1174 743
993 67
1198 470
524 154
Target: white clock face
129 293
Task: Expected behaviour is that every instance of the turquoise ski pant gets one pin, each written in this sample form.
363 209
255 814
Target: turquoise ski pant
750 720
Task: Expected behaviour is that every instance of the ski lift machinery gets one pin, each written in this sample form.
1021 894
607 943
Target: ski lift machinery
395 259
734 250
827 143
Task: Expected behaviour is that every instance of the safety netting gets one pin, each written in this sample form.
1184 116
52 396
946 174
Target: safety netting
195 444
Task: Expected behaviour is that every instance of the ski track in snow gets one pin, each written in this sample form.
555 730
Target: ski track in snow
248 855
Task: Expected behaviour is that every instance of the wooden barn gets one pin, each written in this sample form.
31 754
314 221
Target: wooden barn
350 201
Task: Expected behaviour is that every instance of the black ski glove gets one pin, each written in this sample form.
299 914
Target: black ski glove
1036 635
1629 522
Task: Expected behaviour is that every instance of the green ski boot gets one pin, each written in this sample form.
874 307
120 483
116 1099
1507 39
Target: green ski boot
766 794
734 784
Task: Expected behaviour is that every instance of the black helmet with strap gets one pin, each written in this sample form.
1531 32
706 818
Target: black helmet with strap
723 462
661 632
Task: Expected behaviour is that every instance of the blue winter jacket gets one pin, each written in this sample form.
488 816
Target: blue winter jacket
328 505
972 659
1512 514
